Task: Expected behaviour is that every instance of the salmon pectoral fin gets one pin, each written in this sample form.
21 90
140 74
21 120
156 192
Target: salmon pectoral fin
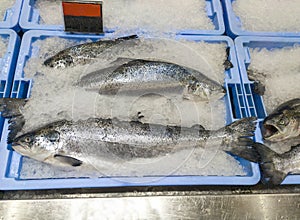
68 160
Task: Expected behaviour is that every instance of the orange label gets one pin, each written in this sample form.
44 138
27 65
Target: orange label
81 9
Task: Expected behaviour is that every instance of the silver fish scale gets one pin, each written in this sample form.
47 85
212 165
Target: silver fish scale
290 161
147 75
126 140
90 50
84 53
137 74
136 71
112 141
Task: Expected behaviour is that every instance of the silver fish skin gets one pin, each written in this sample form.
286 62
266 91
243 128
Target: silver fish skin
83 53
275 167
69 143
283 123
148 75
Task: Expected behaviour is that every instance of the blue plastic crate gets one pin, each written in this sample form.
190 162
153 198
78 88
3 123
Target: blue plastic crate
255 104
11 16
30 19
234 26
12 161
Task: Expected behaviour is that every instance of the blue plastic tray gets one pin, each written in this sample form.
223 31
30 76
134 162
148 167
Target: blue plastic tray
11 17
30 19
234 25
255 104
11 161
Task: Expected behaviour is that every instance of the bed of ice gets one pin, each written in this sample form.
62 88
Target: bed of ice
132 15
4 5
50 11
268 15
279 71
54 87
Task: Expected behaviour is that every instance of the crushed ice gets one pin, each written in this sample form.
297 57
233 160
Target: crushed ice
5 4
50 11
3 46
279 71
139 15
268 15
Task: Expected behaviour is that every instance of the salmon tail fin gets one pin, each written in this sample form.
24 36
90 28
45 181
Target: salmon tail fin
238 134
269 161
11 108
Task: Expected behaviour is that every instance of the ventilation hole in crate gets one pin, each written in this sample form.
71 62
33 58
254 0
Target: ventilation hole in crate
247 89
23 89
250 101
16 86
1 126
252 112
239 90
2 86
235 101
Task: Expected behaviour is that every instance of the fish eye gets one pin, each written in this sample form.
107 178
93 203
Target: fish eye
282 122
27 139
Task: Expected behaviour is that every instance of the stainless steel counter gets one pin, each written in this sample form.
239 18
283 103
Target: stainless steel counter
211 202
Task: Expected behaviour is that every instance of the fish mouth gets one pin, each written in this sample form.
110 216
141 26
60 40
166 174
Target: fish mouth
17 144
270 131
20 148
